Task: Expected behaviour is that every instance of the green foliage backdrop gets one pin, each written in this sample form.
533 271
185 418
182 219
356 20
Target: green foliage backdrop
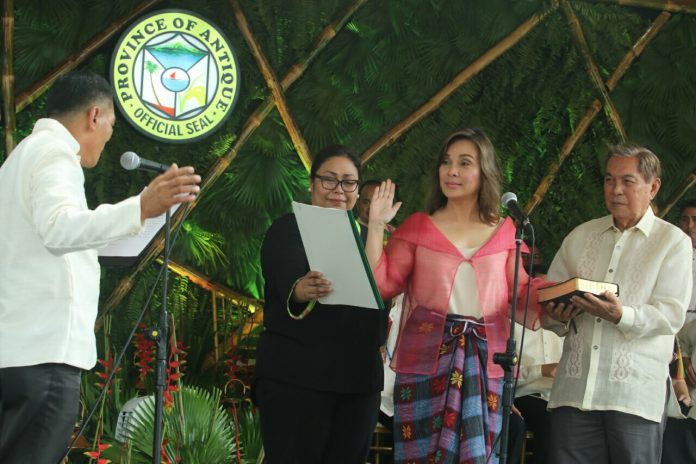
388 60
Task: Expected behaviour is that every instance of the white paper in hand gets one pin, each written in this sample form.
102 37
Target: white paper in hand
133 246
333 249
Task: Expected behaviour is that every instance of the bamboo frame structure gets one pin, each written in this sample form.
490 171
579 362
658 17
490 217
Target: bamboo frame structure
8 108
74 60
216 342
260 114
221 292
203 281
255 120
221 165
594 109
460 79
673 6
685 186
592 69
272 82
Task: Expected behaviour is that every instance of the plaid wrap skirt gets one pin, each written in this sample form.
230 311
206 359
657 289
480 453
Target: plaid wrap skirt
454 415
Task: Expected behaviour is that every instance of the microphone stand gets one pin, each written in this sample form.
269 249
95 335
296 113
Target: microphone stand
508 359
161 335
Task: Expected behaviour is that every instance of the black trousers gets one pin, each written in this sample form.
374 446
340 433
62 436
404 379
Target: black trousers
537 420
304 426
38 408
679 441
518 430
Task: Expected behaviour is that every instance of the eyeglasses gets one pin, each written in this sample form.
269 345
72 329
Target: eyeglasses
330 183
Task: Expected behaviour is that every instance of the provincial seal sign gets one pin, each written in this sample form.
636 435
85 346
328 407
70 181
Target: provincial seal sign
175 76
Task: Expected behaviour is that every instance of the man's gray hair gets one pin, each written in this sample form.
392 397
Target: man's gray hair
648 162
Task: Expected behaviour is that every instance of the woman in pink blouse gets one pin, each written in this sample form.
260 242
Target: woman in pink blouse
455 265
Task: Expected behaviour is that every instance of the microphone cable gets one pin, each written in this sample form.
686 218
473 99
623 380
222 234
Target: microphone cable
530 269
119 358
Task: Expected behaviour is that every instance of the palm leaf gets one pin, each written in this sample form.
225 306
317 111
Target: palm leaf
197 430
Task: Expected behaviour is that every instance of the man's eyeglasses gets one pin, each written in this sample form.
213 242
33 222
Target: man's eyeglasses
330 183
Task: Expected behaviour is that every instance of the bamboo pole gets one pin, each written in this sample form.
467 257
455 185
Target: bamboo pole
685 186
74 60
460 79
260 114
673 6
272 82
592 69
221 165
204 281
216 344
8 99
594 109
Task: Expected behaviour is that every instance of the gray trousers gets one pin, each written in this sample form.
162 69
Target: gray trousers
38 408
603 437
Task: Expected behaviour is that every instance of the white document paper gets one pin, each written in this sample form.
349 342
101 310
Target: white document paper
333 249
129 247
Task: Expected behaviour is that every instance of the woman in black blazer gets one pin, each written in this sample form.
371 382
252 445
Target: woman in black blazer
319 369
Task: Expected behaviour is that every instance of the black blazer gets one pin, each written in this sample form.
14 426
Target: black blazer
335 348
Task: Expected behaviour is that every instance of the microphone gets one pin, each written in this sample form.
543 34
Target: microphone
509 199
130 161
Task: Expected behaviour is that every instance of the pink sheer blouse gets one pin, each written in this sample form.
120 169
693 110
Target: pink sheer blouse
422 263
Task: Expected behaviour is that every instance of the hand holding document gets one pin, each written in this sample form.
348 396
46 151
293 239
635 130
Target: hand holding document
333 247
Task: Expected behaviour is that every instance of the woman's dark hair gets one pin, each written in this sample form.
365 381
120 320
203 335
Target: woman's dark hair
331 152
76 91
489 193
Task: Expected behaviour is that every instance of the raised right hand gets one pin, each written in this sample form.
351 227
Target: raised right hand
382 207
177 185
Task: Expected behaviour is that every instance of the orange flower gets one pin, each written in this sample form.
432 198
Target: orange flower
426 327
492 401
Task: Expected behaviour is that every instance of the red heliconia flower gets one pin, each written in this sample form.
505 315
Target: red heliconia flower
174 372
144 353
165 459
231 362
96 455
167 400
108 365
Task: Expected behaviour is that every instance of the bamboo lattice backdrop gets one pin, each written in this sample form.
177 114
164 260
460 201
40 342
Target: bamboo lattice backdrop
276 119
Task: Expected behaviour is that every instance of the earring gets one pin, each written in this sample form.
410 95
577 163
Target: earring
357 195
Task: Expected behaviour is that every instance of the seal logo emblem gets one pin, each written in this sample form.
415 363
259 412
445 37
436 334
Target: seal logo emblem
175 76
